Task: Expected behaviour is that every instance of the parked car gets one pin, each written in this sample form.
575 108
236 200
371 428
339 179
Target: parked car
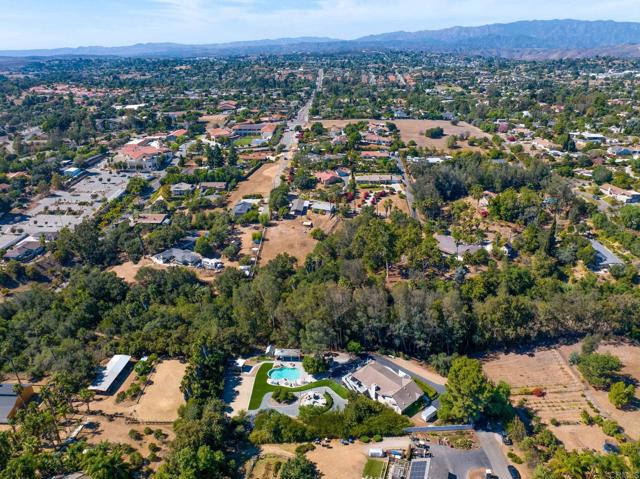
515 474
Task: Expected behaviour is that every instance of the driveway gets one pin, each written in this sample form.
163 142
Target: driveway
393 365
293 410
492 445
454 463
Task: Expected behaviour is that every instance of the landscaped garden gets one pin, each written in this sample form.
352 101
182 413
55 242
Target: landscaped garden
262 387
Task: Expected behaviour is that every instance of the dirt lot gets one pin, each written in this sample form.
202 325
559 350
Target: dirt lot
630 357
128 270
578 437
546 369
162 397
339 462
117 430
414 130
260 182
290 236
160 400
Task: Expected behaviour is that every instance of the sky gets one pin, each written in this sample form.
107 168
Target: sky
28 24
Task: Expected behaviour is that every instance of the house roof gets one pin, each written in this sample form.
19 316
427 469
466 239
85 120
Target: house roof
402 389
447 244
138 152
605 256
107 375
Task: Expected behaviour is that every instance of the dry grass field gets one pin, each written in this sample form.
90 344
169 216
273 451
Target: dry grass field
128 270
290 236
339 462
162 396
260 182
564 397
414 130
629 354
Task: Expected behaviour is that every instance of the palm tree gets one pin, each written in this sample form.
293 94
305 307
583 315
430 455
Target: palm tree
387 205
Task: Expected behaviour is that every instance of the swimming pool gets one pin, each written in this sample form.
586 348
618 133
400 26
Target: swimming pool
291 374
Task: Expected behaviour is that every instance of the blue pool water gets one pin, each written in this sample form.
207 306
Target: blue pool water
292 374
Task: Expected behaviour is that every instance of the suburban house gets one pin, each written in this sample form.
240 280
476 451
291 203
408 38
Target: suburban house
150 219
107 375
327 177
373 139
374 155
298 207
619 194
10 401
24 251
212 185
449 246
242 208
182 189
604 256
396 390
264 130
146 155
227 105
217 133
321 206
378 179
177 256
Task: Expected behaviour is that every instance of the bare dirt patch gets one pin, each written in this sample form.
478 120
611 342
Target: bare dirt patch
162 397
580 437
260 182
564 397
339 462
128 270
414 130
290 236
117 430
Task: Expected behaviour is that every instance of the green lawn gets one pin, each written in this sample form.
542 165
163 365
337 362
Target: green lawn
428 390
373 469
261 387
246 140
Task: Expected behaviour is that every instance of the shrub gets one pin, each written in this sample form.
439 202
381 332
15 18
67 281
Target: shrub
610 427
586 418
364 439
514 458
302 449
318 234
621 394
283 396
121 396
153 447
555 422
135 435
147 430
136 460
152 457
538 392
377 438
159 434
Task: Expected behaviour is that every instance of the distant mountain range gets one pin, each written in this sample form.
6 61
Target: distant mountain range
536 39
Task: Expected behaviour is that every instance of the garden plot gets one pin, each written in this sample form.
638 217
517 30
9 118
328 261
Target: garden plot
546 370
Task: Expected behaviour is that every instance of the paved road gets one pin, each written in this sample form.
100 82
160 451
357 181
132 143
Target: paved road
390 364
289 140
491 444
408 191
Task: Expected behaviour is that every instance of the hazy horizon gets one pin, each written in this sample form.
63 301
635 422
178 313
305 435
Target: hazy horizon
35 24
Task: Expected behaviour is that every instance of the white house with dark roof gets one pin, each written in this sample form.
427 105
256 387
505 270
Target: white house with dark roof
398 391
